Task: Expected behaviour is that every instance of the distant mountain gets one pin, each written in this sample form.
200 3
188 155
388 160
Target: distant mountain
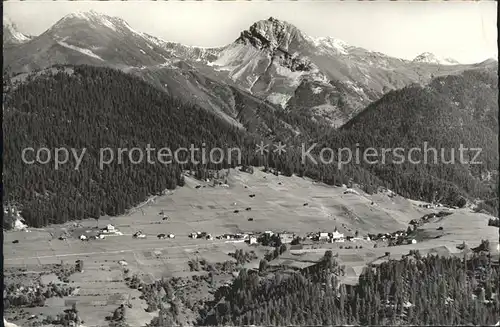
87 38
11 35
324 78
431 58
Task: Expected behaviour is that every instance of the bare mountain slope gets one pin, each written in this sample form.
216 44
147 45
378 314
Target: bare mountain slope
90 38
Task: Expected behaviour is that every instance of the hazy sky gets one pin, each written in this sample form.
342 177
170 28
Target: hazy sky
462 30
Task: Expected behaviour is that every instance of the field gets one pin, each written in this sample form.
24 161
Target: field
278 205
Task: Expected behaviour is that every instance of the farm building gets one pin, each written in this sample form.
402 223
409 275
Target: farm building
109 229
337 237
286 237
323 236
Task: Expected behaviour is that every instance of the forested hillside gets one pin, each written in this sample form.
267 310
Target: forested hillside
451 112
89 107
413 291
96 108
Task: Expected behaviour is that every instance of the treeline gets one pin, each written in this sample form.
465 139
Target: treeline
413 291
90 107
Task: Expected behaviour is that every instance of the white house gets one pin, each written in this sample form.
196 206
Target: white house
110 228
253 240
83 237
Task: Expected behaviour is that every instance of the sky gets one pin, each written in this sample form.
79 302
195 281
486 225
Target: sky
463 30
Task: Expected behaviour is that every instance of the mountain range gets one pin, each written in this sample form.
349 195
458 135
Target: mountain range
271 62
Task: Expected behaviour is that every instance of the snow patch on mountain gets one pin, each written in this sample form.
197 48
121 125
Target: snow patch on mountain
326 44
279 99
316 89
81 50
251 81
9 27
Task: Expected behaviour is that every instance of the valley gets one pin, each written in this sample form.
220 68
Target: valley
278 206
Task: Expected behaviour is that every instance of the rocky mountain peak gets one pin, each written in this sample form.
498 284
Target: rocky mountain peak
273 34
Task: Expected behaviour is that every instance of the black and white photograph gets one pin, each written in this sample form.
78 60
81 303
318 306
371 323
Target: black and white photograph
250 163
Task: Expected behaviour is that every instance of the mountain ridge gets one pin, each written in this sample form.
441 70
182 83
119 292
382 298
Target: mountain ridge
272 60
